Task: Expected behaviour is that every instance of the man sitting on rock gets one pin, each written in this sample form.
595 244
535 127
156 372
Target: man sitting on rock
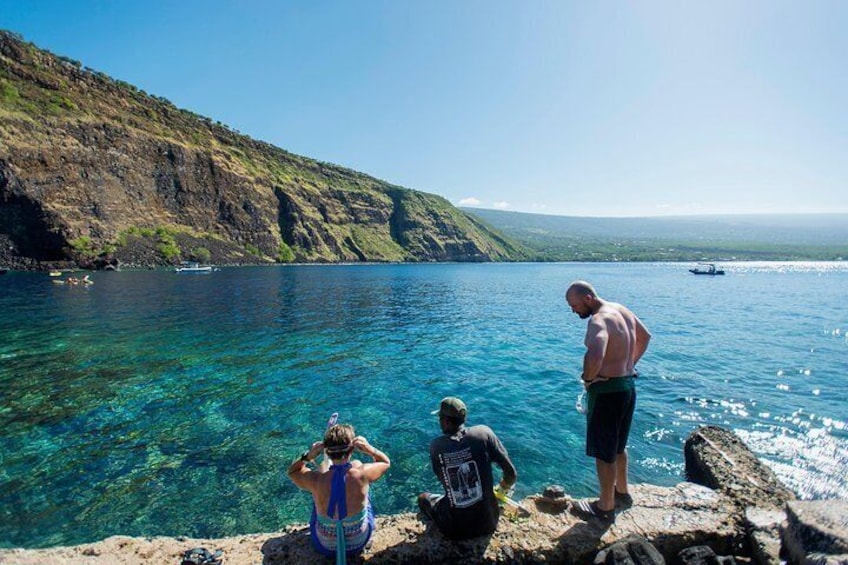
462 460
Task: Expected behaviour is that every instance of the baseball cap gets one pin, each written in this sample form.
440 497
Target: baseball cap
451 406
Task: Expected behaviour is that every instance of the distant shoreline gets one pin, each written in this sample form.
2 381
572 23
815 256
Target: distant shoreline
46 267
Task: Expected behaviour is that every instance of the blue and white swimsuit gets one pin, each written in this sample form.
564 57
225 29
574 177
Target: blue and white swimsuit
344 535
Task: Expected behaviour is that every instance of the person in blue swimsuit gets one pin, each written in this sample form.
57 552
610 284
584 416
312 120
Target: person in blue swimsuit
342 516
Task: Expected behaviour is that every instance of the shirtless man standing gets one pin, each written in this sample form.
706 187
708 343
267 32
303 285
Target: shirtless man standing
615 340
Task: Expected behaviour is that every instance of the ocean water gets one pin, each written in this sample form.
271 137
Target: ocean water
153 403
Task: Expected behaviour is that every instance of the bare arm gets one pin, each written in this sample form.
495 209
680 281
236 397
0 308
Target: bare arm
501 457
643 337
299 473
510 475
381 464
597 339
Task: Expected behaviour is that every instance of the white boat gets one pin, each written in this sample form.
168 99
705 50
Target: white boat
188 267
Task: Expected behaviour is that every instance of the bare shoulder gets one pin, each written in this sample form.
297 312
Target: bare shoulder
360 473
618 307
622 310
310 480
597 323
610 311
357 469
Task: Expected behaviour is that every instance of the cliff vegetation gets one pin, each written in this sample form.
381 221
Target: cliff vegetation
96 171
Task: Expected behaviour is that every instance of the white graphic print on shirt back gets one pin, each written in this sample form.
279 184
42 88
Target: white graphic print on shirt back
462 478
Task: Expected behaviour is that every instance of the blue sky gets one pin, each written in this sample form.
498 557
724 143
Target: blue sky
587 108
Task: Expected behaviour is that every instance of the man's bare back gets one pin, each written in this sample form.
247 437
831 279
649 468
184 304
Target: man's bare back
615 337
619 325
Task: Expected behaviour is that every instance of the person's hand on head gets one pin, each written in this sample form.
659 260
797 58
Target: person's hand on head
361 444
316 449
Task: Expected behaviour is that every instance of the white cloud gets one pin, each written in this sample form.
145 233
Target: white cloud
501 205
537 206
470 201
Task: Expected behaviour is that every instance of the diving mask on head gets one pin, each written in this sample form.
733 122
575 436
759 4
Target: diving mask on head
339 448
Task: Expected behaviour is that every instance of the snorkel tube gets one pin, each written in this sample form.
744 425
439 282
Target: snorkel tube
334 418
325 462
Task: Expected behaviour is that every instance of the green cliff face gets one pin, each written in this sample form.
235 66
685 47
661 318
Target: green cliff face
94 168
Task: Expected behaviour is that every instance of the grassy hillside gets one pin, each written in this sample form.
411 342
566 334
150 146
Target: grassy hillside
680 238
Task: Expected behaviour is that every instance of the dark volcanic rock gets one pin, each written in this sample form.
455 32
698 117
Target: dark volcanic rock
632 550
702 555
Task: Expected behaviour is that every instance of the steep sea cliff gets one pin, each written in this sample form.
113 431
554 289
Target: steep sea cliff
94 170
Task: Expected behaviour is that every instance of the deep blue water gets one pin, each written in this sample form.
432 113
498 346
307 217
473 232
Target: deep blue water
153 403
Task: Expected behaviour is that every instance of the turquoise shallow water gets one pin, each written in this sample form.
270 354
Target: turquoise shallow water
159 404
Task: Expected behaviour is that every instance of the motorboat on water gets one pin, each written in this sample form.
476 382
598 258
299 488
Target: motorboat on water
190 267
706 269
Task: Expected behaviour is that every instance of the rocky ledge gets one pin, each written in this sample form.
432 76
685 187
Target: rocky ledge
744 516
